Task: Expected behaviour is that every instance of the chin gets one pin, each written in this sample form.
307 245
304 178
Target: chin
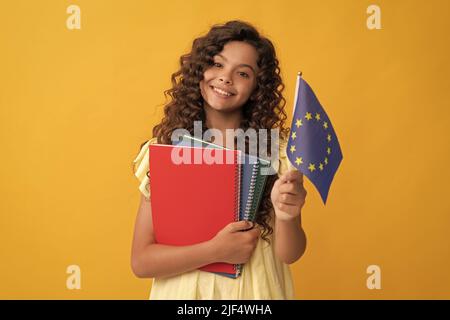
223 108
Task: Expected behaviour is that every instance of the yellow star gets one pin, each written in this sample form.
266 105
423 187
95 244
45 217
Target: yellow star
299 160
328 150
317 116
292 149
298 123
326 160
321 166
294 135
312 167
325 125
329 137
308 116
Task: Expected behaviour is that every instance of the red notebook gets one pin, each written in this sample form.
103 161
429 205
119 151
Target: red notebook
192 202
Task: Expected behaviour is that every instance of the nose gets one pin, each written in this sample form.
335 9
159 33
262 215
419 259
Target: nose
225 78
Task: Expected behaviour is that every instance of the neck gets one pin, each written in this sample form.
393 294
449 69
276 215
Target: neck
222 121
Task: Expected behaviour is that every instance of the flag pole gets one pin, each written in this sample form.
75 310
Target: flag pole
299 74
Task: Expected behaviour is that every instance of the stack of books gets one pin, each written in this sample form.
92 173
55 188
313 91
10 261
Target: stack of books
194 196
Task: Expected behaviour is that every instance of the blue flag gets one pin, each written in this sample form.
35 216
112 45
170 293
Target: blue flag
313 147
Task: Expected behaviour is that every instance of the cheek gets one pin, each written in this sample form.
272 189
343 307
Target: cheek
204 82
208 75
247 90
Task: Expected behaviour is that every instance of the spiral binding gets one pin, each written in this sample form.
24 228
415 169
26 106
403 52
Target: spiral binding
237 201
258 190
249 204
251 193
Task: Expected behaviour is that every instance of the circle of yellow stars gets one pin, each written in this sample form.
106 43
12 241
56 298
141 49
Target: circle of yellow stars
299 160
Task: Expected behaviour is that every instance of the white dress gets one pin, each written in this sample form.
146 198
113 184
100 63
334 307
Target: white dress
264 276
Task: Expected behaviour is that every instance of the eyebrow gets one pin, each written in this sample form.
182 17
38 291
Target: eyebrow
241 65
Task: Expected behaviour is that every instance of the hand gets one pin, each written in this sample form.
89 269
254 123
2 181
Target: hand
236 242
288 195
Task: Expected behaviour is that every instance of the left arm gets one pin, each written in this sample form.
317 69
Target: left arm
288 197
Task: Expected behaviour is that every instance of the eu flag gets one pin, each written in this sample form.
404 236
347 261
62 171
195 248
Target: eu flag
313 147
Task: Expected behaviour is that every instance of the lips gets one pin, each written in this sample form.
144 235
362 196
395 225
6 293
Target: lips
219 92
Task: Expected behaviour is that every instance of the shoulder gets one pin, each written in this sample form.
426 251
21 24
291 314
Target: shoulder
141 167
141 161
149 142
144 150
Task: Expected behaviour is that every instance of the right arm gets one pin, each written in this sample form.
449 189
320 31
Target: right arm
151 260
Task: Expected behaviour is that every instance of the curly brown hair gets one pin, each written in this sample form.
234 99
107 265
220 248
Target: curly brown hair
264 110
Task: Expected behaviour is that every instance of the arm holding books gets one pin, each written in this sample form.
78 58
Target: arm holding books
150 260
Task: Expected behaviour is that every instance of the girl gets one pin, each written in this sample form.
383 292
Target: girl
233 58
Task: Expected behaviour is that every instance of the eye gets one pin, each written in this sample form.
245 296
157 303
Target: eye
216 64
245 75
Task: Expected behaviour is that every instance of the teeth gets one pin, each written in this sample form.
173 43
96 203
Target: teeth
221 92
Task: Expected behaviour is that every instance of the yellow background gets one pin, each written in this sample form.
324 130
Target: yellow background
76 104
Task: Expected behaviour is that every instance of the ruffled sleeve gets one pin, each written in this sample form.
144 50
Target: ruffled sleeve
141 166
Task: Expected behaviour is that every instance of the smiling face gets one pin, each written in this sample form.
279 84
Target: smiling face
228 84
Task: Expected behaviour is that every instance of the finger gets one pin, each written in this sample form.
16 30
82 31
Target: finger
240 225
291 175
292 188
288 199
278 182
289 209
294 175
255 232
